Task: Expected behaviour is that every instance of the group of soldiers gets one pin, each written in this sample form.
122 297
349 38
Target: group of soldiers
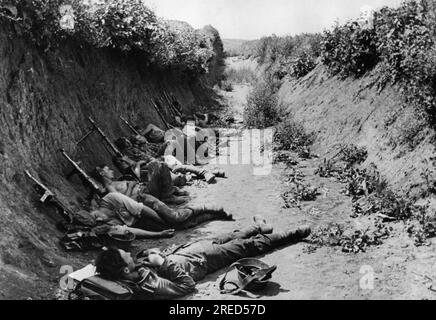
140 203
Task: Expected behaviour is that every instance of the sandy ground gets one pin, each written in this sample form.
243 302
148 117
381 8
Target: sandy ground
394 270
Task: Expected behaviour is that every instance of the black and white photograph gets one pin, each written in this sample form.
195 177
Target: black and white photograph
217 154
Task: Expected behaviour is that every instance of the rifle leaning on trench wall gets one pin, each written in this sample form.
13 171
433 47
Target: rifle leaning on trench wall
49 197
171 103
167 125
134 131
114 149
87 180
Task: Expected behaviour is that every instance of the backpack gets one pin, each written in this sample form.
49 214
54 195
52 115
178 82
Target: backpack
81 241
97 288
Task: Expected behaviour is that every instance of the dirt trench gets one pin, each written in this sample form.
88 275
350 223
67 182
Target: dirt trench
396 269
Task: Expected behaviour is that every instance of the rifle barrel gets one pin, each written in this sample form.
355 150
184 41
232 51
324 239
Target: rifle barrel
81 172
130 126
110 144
160 115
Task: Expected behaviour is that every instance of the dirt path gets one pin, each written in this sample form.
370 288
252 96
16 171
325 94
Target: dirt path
388 271
396 269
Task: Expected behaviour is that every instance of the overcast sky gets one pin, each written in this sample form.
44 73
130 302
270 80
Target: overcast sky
252 19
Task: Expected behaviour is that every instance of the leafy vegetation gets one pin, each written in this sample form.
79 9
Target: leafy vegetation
292 56
334 235
352 154
262 110
291 135
401 42
125 25
349 50
240 75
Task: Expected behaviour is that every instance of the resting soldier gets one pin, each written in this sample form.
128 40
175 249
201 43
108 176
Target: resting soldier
140 193
123 213
136 155
174 272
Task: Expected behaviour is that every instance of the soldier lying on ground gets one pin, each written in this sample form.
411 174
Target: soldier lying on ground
177 168
155 176
153 133
123 213
174 273
140 193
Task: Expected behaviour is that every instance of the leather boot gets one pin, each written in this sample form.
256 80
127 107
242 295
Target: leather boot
219 173
294 235
209 177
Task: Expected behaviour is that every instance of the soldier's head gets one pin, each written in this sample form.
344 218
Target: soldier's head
103 172
99 216
114 264
123 143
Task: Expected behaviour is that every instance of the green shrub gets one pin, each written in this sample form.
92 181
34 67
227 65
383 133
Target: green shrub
402 43
352 154
240 75
227 86
302 65
262 110
125 25
407 48
349 50
291 135
291 55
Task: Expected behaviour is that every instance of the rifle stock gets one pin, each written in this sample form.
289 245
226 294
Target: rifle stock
50 197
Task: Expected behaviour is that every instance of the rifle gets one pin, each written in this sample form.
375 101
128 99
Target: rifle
135 132
167 125
105 138
160 115
49 197
171 103
117 152
86 179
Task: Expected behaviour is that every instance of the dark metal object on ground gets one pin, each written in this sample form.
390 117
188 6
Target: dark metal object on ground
253 274
47 196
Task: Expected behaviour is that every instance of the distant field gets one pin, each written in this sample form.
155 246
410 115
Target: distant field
239 47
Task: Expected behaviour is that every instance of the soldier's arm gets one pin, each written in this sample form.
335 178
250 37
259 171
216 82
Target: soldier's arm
171 281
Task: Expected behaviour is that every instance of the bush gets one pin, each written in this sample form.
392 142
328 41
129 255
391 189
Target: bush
302 65
125 25
262 110
291 135
401 40
352 154
291 55
240 75
407 48
227 86
349 50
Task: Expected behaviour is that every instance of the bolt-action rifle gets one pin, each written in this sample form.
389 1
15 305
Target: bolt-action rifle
134 131
86 178
49 197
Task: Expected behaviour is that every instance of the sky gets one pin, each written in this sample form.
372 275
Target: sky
252 19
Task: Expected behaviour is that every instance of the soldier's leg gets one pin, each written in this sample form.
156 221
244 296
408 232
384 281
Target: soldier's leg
222 255
169 215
